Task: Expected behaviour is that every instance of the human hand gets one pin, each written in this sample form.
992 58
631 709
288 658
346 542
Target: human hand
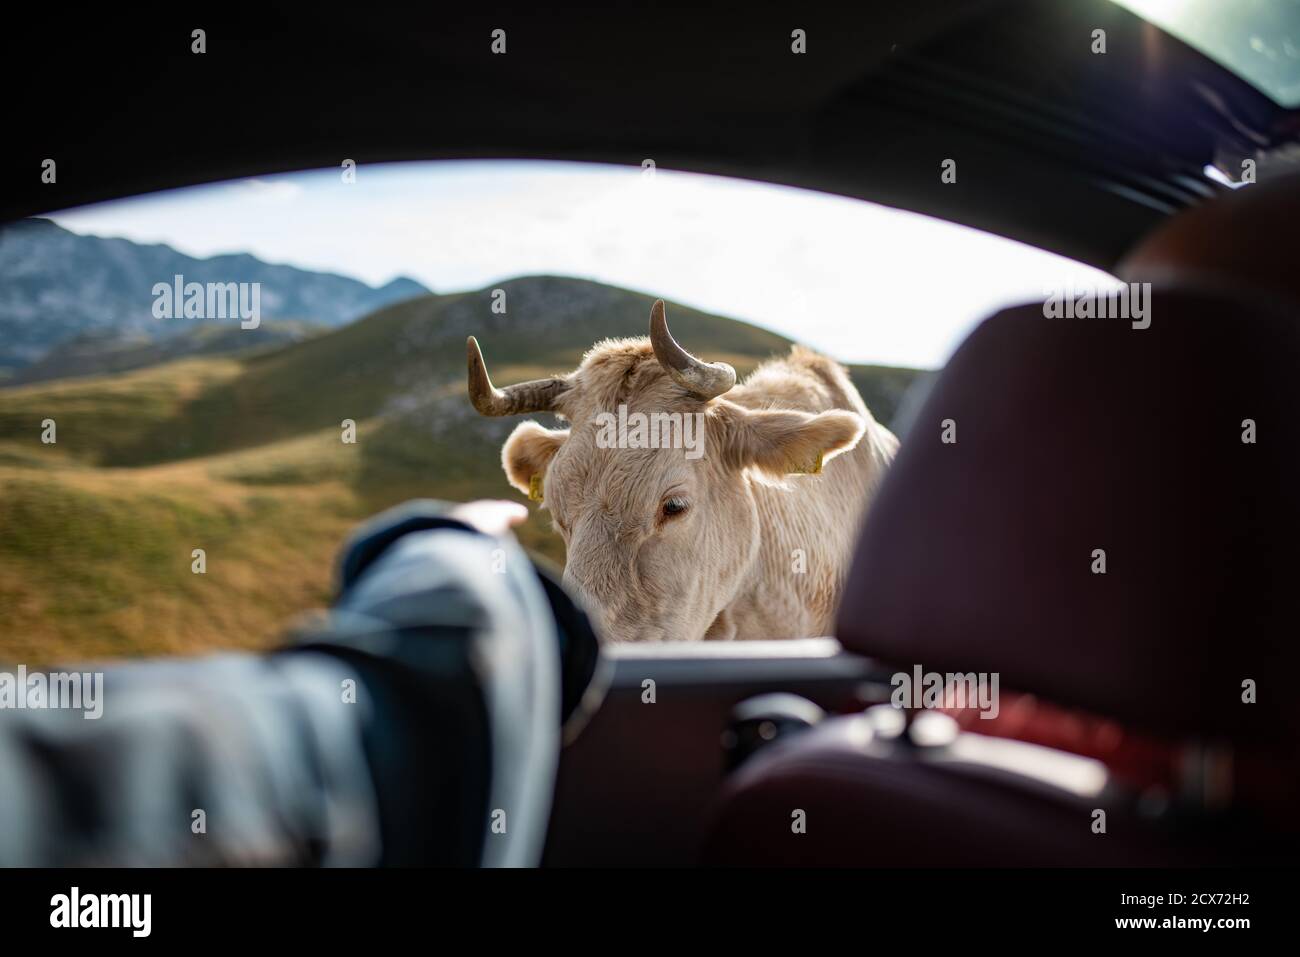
490 516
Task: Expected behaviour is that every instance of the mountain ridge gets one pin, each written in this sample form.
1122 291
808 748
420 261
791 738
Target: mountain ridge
58 285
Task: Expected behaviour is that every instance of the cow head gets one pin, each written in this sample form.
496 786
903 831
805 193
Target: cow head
661 533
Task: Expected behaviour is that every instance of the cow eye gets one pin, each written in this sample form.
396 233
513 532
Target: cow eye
674 506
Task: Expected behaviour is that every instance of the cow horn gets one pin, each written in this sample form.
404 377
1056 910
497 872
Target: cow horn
704 379
537 395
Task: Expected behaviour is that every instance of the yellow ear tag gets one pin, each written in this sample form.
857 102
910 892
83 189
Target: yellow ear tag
535 487
816 467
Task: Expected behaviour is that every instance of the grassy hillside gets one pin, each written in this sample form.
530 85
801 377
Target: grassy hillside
241 456
98 354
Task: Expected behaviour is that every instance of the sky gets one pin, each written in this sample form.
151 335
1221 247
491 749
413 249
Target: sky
857 281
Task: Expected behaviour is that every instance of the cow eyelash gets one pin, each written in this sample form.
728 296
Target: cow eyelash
673 506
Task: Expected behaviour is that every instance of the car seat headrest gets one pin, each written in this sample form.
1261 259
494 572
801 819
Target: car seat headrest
1115 523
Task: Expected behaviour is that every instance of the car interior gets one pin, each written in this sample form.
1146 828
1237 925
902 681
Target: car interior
1120 693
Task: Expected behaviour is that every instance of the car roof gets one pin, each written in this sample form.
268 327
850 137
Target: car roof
1074 151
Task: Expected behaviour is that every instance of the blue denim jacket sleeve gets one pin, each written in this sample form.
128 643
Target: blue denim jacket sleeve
440 647
413 572
370 540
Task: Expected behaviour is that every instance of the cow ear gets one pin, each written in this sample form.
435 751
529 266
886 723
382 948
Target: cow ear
527 453
782 442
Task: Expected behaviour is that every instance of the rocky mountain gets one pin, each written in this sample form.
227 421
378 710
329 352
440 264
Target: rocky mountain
57 285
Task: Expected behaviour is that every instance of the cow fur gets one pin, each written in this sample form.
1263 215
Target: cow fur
761 550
